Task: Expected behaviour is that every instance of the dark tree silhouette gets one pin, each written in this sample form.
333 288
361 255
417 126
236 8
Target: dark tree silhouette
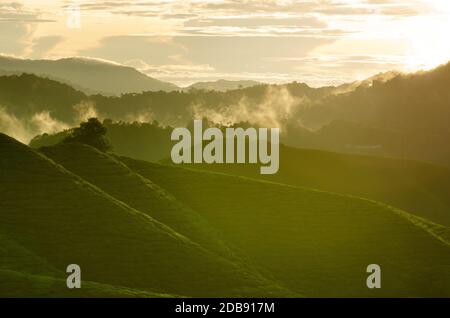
91 133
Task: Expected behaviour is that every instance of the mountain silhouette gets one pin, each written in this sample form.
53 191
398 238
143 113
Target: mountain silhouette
88 75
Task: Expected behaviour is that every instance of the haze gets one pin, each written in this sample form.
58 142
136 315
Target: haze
317 42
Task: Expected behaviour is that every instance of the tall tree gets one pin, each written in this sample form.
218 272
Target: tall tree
91 133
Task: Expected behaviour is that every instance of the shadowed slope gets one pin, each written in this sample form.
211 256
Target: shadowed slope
64 219
417 187
318 241
13 284
115 178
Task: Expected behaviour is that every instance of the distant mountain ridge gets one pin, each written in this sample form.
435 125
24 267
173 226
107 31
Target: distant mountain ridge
404 116
390 114
93 76
88 75
223 85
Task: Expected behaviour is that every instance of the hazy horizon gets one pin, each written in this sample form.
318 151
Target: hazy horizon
237 79
316 42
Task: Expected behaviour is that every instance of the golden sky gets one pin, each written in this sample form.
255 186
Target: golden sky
317 42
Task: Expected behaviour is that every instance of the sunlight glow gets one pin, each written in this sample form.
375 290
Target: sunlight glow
428 37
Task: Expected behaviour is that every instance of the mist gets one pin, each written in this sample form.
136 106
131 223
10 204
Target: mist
277 107
85 110
24 129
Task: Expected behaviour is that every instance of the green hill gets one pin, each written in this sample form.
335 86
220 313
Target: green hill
417 187
63 219
27 99
14 284
150 230
406 116
315 241
395 115
26 94
115 178
15 257
146 141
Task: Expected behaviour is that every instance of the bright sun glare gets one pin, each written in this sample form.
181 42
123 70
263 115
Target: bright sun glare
428 37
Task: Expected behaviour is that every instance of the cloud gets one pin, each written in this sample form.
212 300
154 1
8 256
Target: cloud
12 126
254 17
341 68
137 63
43 122
15 37
257 21
273 40
17 12
274 110
143 116
177 58
85 110
305 8
156 50
246 54
17 26
24 129
270 6
43 45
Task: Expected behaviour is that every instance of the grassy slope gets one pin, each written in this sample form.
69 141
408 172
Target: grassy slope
64 219
115 178
23 273
15 257
417 187
316 242
13 284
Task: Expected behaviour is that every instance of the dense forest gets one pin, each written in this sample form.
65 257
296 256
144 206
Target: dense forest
403 116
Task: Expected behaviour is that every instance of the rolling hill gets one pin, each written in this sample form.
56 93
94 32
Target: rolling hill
417 187
61 219
88 75
143 229
146 141
115 178
406 116
315 242
13 284
395 115
26 95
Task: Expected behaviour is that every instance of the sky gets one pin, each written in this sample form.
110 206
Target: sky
319 42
